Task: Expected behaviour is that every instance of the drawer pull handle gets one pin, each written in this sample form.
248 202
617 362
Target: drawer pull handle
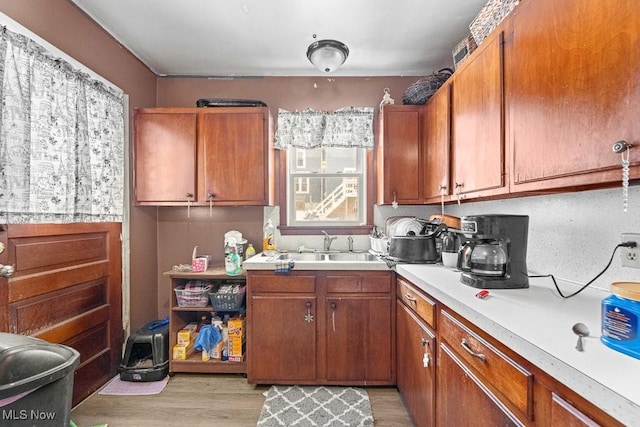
410 298
466 347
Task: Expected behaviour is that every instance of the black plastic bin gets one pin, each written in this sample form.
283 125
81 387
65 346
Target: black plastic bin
36 381
146 356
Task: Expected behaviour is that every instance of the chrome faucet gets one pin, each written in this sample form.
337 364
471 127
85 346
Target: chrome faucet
350 243
327 240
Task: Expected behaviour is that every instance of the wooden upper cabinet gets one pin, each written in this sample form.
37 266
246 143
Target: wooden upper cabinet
437 145
572 75
235 157
165 156
477 122
399 158
201 155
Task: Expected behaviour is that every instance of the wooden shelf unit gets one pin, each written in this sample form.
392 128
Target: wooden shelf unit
181 316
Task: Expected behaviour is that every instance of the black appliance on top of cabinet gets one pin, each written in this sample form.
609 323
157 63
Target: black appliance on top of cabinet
494 255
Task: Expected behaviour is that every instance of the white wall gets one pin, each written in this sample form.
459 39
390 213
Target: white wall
571 236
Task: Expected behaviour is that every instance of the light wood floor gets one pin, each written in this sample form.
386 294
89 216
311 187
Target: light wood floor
209 400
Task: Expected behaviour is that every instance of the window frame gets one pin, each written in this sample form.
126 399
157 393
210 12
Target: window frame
285 229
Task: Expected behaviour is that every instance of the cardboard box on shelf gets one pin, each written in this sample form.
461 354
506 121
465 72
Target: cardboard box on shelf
236 348
188 334
236 327
182 351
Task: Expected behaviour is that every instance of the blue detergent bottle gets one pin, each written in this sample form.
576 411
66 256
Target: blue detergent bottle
620 316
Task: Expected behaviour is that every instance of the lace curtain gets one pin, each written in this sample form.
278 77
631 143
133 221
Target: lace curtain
346 127
61 139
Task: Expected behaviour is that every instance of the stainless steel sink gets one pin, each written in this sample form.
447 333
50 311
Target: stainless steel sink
333 256
352 256
303 256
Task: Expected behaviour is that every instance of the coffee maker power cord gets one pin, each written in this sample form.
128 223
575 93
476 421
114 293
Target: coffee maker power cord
621 245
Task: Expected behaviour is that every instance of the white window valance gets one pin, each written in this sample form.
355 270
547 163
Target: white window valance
346 127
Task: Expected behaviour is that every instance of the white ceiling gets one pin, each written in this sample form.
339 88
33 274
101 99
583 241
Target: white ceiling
270 37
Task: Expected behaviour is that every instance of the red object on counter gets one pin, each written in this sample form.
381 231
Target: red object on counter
482 294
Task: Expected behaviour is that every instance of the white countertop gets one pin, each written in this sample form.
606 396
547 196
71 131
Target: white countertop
537 324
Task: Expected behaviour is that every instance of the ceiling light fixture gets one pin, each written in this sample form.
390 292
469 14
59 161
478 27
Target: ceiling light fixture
327 55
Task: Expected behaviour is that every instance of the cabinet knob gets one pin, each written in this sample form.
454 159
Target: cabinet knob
189 196
211 196
308 317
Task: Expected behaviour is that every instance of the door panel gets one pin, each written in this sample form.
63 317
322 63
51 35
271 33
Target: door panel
67 289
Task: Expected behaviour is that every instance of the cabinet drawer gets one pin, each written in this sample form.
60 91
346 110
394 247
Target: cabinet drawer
280 283
423 306
500 373
359 283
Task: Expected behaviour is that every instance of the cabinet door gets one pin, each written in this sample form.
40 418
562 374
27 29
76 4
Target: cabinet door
463 400
416 373
285 350
573 84
359 338
165 157
399 155
564 414
477 122
235 157
437 145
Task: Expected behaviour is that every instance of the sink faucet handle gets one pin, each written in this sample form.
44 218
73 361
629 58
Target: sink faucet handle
350 242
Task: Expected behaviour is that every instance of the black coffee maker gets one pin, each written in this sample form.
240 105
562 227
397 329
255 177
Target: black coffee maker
494 254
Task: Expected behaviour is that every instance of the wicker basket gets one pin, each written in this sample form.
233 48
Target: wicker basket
490 17
419 92
463 50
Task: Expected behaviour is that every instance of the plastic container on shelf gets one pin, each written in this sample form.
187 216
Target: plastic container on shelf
229 297
232 261
194 293
251 251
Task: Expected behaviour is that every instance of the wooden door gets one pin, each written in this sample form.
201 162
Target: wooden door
67 289
359 344
282 347
477 122
462 398
399 155
437 145
165 156
573 91
416 373
235 147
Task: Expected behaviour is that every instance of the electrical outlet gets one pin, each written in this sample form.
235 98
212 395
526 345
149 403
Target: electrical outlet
630 256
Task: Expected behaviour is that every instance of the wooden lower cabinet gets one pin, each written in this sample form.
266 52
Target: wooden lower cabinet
416 373
285 345
319 327
463 399
358 338
473 379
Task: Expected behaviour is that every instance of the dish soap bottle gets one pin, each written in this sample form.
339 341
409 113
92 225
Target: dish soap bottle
251 251
232 263
268 242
